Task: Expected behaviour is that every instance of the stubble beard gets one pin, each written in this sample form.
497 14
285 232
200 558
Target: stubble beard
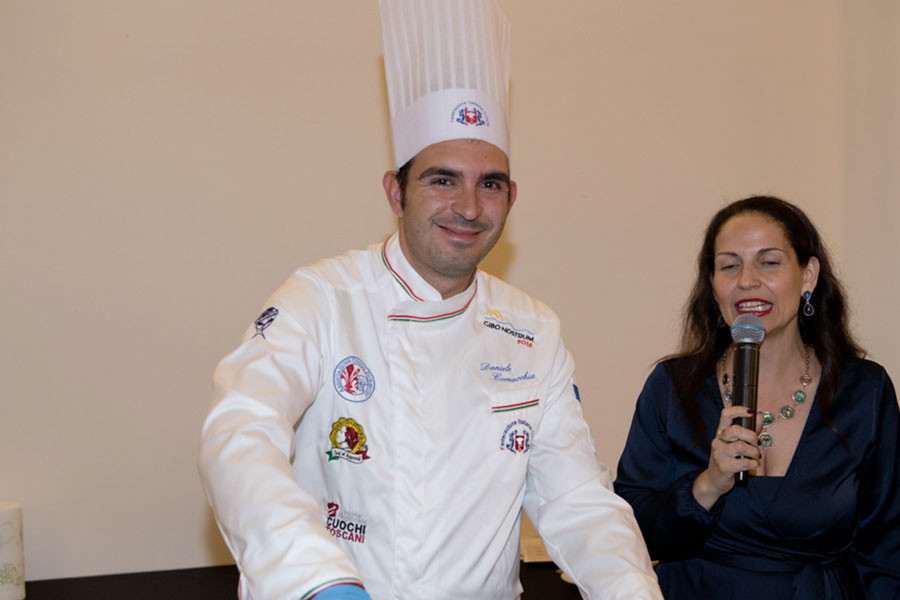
430 257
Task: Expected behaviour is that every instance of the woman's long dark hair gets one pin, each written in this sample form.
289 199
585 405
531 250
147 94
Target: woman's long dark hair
704 339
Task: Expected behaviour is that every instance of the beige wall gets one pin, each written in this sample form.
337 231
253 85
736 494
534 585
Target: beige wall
165 165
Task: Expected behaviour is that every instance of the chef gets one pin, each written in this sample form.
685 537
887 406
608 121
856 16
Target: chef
391 411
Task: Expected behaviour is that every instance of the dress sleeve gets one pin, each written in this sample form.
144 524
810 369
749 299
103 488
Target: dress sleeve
656 477
272 526
588 531
876 549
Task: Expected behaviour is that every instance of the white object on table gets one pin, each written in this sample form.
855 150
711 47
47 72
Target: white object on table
12 552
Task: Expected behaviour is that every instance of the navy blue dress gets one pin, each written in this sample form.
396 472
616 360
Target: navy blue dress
829 529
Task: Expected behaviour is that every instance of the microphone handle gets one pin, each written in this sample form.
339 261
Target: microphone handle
746 378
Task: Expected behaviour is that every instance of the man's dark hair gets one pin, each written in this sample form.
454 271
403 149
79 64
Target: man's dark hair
403 179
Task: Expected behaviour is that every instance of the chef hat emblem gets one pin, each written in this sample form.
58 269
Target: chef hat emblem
447 68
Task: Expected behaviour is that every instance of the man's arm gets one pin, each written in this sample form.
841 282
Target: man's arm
273 527
588 530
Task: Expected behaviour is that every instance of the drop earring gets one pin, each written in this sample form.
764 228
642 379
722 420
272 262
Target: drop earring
808 309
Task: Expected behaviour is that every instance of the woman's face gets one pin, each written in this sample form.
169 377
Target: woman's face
756 271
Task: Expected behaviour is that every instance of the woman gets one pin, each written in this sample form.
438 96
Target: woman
819 516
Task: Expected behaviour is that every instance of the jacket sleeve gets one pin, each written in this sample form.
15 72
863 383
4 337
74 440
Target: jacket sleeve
272 526
876 549
588 531
655 477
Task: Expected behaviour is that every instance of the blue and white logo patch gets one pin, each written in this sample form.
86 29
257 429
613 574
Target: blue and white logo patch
353 380
264 320
517 437
469 114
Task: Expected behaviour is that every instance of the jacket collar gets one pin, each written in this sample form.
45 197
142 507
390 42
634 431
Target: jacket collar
422 302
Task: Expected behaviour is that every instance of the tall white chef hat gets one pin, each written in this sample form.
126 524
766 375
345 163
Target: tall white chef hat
447 68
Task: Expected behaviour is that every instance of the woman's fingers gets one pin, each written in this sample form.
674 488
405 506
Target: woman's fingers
728 432
734 448
741 449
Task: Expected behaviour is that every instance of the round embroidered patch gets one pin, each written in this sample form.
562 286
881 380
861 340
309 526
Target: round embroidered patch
353 380
517 437
348 441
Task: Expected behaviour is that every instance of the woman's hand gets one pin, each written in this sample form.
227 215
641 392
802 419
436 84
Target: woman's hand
730 443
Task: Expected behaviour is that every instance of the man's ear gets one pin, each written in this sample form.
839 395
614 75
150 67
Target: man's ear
513 191
392 190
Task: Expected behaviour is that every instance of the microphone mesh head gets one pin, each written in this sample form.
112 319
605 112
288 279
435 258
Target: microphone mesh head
748 328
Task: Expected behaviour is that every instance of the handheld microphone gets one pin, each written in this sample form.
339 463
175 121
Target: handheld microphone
748 332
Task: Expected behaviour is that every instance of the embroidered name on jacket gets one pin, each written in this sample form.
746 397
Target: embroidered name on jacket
503 373
494 320
517 437
348 442
345 525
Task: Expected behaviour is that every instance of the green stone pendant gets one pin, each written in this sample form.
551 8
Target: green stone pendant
799 396
765 440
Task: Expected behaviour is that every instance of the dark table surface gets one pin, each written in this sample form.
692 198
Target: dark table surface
540 580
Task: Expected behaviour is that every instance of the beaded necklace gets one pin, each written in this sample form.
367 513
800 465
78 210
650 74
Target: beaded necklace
787 411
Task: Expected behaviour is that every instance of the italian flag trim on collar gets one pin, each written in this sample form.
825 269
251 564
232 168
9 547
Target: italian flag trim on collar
440 317
396 275
408 290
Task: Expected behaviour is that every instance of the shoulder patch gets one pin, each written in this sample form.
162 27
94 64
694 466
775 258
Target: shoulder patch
264 320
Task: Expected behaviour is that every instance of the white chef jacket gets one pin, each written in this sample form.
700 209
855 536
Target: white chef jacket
368 430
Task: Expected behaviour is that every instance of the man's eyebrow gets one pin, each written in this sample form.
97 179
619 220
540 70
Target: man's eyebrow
448 172
496 176
432 171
